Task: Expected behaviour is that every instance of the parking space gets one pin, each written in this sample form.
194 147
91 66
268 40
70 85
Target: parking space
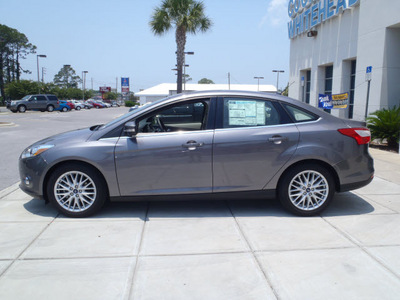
242 249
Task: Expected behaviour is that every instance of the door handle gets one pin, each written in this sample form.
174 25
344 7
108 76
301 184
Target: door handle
277 139
192 145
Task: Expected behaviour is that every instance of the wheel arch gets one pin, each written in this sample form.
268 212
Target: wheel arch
67 162
322 163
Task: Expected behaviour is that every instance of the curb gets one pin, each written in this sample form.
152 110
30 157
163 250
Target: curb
9 190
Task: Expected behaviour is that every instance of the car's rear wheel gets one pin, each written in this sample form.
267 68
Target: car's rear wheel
50 108
22 108
78 108
64 109
77 190
306 189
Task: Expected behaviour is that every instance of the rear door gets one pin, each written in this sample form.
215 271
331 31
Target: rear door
254 138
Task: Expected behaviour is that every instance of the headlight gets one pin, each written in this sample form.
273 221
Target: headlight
35 150
13 102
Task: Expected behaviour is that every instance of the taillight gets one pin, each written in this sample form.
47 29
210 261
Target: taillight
361 135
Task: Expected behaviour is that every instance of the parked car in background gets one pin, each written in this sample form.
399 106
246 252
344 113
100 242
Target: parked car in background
40 102
203 145
70 104
78 104
114 104
95 104
105 104
64 107
87 105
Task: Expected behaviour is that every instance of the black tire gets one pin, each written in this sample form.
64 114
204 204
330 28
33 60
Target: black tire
304 199
78 108
22 108
50 108
72 201
64 109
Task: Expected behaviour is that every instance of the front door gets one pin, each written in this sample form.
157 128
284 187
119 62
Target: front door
171 154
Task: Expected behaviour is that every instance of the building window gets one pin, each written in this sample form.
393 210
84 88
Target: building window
308 86
328 83
352 87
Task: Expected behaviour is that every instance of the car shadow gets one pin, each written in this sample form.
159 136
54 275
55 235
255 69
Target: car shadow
343 204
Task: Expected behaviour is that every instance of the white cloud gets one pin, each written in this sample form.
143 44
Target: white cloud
276 13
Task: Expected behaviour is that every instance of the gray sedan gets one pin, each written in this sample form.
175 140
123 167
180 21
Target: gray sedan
215 144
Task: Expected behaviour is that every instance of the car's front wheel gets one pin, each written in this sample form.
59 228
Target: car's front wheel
77 190
64 109
306 189
78 108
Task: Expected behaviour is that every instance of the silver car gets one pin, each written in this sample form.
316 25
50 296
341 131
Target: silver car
214 144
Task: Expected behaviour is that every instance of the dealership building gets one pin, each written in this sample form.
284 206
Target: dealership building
345 46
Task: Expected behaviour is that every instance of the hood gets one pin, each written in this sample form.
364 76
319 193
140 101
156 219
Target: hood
79 135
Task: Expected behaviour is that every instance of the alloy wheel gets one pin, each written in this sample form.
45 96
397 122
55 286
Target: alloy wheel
308 190
75 191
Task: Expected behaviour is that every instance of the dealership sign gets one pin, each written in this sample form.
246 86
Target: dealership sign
306 14
333 101
125 84
105 89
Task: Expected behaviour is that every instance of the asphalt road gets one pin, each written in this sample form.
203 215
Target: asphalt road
33 126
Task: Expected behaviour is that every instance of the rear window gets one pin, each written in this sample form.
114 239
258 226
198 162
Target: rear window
300 115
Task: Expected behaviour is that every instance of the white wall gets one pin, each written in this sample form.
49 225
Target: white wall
359 33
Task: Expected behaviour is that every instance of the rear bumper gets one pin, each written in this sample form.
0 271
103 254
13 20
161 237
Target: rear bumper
355 185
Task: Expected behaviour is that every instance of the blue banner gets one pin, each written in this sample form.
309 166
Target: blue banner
333 101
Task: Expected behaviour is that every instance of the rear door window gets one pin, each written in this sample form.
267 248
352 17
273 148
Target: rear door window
244 112
41 98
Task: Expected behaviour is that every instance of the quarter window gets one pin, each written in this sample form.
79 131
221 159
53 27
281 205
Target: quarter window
249 113
300 115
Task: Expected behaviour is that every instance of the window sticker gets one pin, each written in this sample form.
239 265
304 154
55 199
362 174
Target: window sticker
246 113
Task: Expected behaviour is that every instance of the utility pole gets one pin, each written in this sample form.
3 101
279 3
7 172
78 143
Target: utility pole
229 80
43 72
116 85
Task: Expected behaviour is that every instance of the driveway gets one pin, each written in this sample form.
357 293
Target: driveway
249 249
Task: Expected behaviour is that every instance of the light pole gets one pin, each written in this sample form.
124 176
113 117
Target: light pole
38 76
184 67
66 67
83 84
277 79
258 82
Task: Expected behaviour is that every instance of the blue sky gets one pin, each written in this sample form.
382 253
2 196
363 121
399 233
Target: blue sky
112 39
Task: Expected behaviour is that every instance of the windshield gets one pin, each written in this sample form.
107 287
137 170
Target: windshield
26 97
140 108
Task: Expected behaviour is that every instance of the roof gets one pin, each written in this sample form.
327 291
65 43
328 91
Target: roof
165 89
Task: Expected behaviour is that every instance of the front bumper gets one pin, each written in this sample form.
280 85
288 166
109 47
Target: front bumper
31 172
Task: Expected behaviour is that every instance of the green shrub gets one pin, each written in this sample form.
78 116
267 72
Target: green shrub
130 103
385 124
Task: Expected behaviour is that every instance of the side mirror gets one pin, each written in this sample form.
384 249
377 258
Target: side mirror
130 128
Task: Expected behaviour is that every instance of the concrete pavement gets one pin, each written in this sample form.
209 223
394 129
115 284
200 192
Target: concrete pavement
206 250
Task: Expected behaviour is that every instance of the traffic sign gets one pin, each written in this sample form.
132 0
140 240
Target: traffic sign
368 73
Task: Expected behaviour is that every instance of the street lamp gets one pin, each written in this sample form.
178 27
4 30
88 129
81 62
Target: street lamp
258 82
83 84
184 67
65 67
277 79
38 76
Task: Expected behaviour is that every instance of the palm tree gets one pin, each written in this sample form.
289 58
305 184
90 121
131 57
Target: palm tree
186 16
